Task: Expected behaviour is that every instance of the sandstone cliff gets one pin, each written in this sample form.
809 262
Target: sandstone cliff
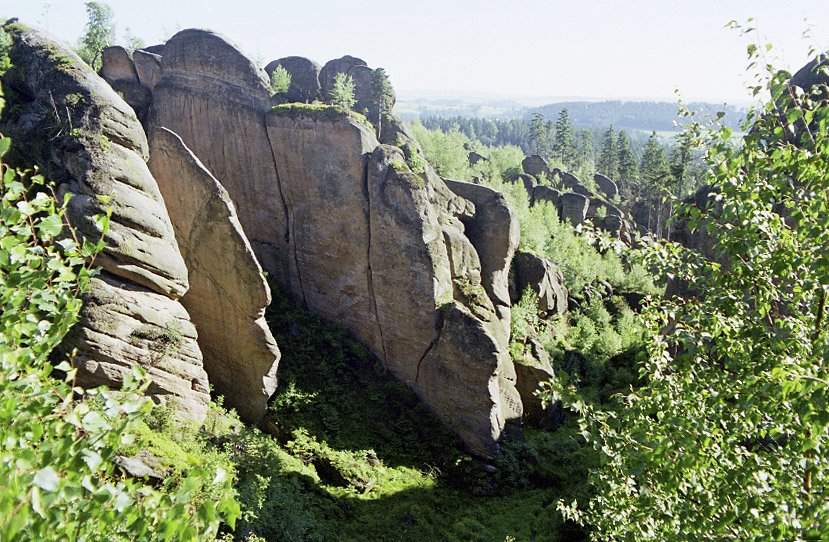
87 140
341 222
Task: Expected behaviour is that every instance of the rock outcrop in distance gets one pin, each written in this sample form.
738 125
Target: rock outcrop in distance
576 204
414 266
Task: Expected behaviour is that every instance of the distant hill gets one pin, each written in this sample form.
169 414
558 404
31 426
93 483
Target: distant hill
628 115
631 115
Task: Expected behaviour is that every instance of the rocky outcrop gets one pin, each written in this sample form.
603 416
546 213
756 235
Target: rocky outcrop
536 166
208 87
494 232
305 78
132 74
340 221
533 368
332 68
573 208
88 141
228 293
528 181
606 185
545 193
396 269
544 278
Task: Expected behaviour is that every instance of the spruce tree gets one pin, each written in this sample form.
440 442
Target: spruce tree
607 162
625 162
584 154
540 135
563 140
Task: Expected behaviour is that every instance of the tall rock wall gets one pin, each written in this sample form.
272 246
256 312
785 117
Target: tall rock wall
87 140
228 293
341 221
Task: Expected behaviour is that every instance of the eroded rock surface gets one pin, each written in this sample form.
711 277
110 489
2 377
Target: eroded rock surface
88 141
343 224
544 278
228 293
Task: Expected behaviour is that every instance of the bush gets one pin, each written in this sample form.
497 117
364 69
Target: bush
280 81
342 94
729 439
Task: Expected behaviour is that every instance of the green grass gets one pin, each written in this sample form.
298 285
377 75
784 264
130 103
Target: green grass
320 111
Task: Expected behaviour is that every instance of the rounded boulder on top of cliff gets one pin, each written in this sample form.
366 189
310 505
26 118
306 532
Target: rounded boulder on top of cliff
305 77
606 185
330 70
536 166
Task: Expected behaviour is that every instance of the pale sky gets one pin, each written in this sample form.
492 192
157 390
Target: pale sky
619 49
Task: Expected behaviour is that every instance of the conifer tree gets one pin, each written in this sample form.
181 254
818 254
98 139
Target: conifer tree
585 154
607 162
540 135
625 162
563 140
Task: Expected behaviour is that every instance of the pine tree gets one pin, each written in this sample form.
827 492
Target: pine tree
625 162
383 94
607 162
563 140
540 135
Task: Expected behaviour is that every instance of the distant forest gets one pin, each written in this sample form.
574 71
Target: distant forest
638 119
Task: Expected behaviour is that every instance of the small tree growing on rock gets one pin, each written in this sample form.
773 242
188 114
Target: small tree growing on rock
100 33
342 94
280 81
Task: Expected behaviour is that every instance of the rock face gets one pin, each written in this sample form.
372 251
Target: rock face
544 278
574 207
131 313
228 293
536 166
607 186
305 77
209 87
341 223
545 193
132 74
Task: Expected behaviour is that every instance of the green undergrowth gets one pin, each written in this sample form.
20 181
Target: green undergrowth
358 457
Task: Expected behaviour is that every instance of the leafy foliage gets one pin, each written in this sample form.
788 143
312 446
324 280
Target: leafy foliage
280 81
99 33
729 440
342 93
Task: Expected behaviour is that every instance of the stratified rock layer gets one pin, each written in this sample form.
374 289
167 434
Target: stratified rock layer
87 140
228 293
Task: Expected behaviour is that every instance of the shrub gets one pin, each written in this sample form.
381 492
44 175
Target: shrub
280 81
342 93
